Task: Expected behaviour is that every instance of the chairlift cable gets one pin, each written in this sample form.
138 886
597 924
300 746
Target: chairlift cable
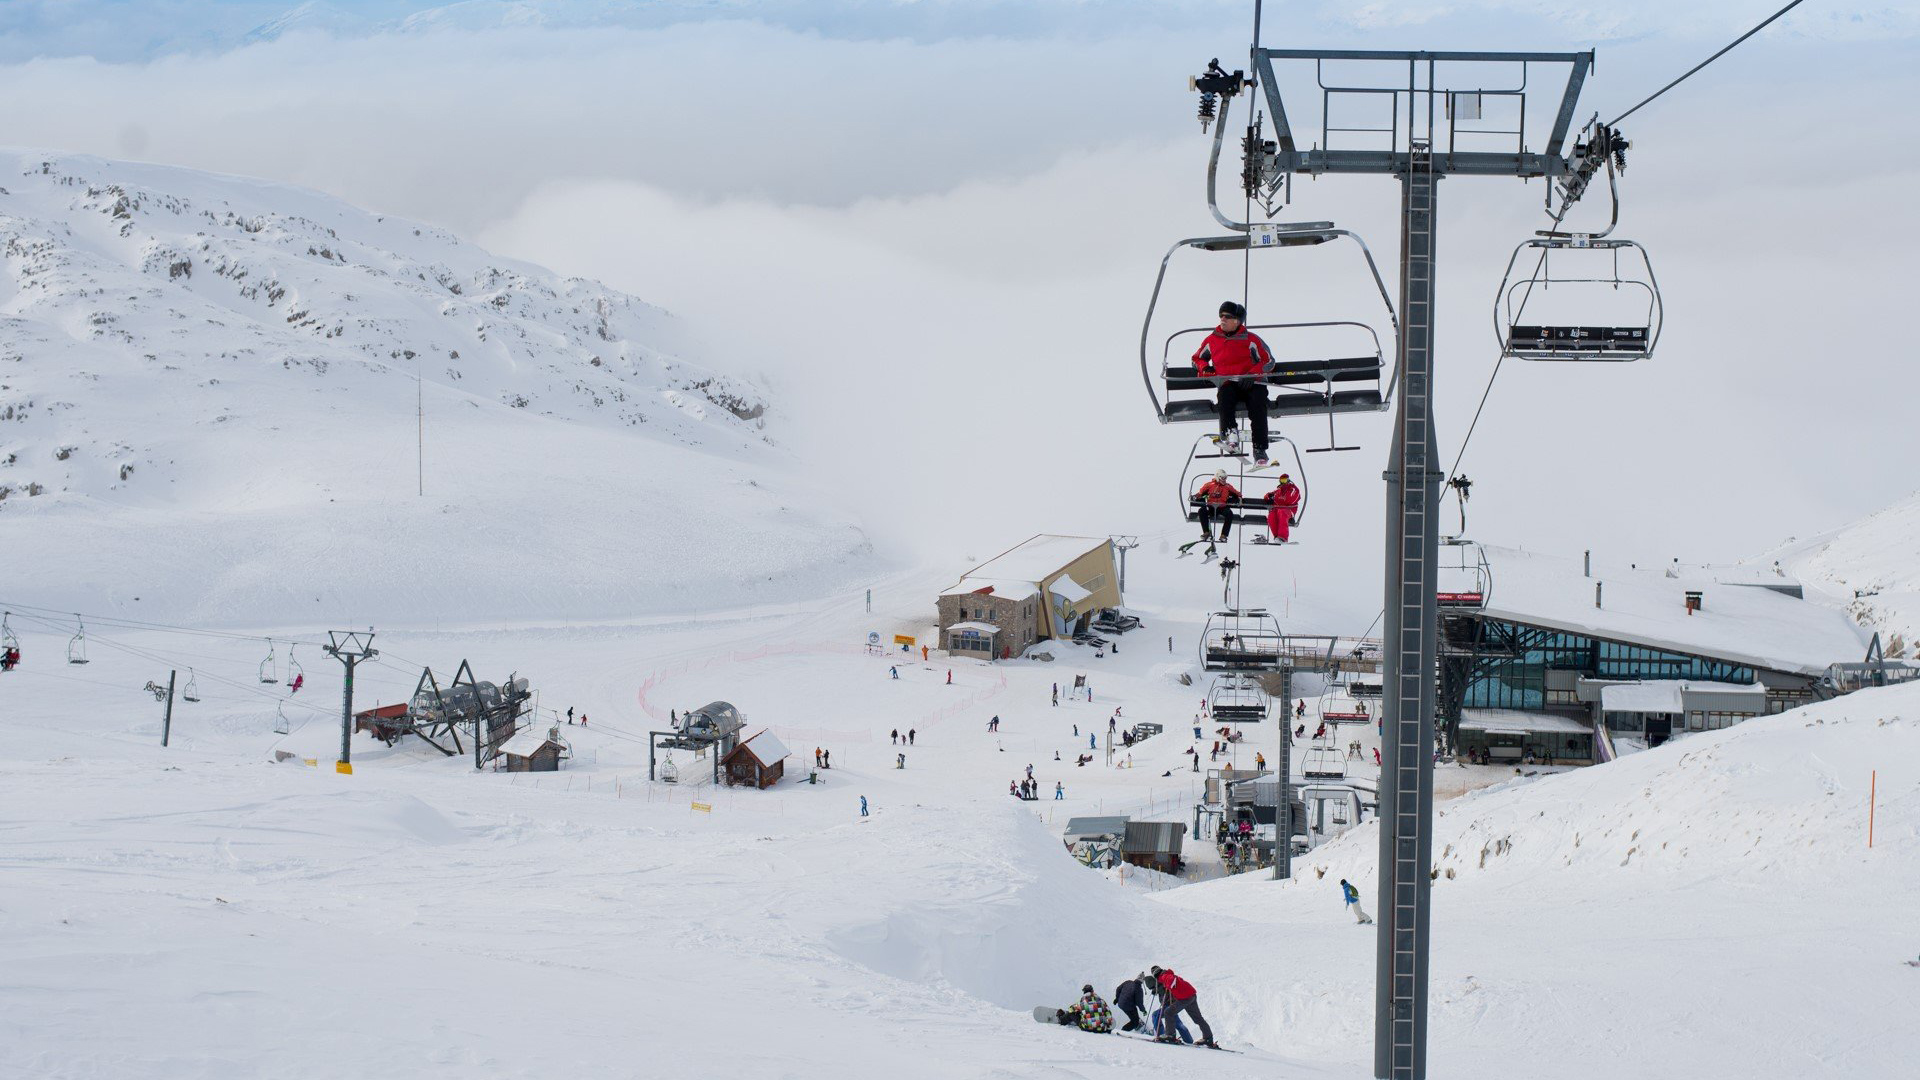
135 624
1724 51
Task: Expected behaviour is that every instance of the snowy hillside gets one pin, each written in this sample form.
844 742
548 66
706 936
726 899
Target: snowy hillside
1871 567
1706 909
223 375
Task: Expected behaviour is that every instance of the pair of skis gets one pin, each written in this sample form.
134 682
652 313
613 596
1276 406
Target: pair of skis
1048 1014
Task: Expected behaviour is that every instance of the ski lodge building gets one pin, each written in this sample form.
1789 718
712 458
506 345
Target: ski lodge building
1045 587
1562 657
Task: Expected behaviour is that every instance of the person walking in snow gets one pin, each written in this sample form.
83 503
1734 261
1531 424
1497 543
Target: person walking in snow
1091 743
923 653
1300 709
569 714
901 761
949 676
1236 356
816 757
1353 901
1183 998
894 671
1059 791
910 732
1376 755
1259 761
863 806
1029 770
826 759
894 737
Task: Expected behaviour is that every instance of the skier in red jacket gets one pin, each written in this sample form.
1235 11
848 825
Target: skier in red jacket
1215 498
1284 502
1181 997
1236 354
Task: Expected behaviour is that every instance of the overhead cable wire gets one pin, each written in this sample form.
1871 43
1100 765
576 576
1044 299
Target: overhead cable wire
135 624
1729 48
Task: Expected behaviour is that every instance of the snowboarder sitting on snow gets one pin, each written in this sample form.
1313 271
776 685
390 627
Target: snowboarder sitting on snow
1233 353
1182 997
1090 1013
1213 499
1283 504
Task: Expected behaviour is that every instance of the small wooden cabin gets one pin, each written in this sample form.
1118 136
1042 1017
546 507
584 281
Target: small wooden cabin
759 761
533 749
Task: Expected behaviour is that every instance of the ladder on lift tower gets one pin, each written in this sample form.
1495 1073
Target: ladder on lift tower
1416 593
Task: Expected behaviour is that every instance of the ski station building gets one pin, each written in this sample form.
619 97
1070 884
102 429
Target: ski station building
1045 587
1561 656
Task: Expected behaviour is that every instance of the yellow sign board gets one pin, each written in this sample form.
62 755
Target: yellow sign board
705 808
903 639
343 767
312 762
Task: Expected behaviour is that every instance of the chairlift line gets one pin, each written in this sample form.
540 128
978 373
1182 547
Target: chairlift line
1690 71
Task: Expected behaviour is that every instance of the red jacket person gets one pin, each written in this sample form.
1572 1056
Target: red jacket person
1216 498
1283 504
1236 356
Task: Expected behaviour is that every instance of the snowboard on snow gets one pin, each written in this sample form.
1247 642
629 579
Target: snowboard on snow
1047 1014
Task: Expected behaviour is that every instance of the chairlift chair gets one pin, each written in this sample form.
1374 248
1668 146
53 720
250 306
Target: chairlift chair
1250 509
1349 382
1338 707
1563 328
9 641
1237 640
77 645
191 691
280 725
1463 576
294 670
1325 760
267 672
669 772
1238 699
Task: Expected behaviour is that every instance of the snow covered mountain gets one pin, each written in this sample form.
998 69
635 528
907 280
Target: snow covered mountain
1871 567
222 376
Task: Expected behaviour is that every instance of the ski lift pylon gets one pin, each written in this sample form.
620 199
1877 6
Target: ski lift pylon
77 645
268 674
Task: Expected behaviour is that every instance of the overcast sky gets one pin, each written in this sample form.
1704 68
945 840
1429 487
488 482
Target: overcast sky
932 227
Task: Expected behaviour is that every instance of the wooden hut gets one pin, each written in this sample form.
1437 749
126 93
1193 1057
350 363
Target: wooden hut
759 761
533 749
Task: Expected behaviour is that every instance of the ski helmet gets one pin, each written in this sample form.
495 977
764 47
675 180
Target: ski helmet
1219 474
1087 989
1230 308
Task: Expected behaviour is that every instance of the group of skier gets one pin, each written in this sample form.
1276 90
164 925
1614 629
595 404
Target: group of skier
1158 993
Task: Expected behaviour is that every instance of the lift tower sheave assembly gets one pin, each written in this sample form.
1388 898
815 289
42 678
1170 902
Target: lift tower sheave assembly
1435 125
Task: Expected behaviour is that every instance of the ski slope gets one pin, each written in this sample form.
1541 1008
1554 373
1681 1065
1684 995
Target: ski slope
1871 567
1705 909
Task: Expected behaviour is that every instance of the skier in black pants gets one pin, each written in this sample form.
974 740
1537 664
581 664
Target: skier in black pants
1128 999
1181 997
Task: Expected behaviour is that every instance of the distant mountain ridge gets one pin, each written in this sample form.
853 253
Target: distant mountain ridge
183 353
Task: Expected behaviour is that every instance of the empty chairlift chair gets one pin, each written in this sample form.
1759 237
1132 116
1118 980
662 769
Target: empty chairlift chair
269 672
1464 578
1309 380
77 645
191 691
1236 700
1586 298
1241 641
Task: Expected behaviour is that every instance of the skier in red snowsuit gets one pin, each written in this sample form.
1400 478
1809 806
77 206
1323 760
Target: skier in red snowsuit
1214 497
1237 353
1284 503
